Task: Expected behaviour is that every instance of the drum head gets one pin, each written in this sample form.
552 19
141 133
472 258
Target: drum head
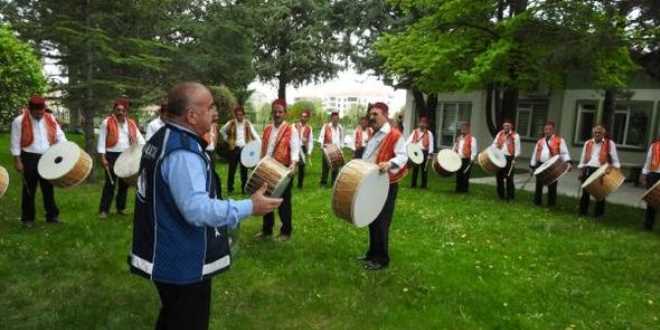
58 160
497 157
4 181
415 153
449 160
547 164
251 154
595 176
370 197
128 162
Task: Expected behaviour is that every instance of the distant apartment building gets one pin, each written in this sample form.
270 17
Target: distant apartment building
345 98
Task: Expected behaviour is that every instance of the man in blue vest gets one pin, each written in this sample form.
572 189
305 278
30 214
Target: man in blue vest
180 226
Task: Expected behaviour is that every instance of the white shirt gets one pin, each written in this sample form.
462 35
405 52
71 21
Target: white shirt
595 152
153 127
504 148
365 136
310 141
337 135
460 143
647 163
371 150
123 142
240 132
545 152
294 143
40 132
419 133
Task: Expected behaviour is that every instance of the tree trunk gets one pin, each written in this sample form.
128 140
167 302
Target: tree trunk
281 88
609 106
509 105
88 105
431 107
492 100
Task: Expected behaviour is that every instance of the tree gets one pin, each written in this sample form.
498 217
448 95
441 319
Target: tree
294 41
20 75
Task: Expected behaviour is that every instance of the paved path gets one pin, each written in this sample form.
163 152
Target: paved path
627 194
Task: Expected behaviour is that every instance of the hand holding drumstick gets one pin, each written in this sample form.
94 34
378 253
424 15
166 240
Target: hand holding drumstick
384 166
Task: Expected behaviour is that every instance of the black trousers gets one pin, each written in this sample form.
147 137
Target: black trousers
506 192
586 197
552 193
463 176
285 215
649 220
32 177
357 153
325 169
109 187
301 168
235 162
184 306
420 168
379 230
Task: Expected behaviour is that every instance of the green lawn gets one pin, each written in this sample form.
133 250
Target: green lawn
458 261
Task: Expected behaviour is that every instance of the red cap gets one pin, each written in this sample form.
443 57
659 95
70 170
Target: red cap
37 102
551 123
123 101
279 102
239 108
334 113
382 106
507 121
306 113
424 119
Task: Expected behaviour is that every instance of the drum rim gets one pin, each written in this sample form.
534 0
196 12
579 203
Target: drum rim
354 197
549 163
453 154
601 170
492 151
251 174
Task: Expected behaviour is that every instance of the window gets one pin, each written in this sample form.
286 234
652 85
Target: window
586 117
631 124
530 119
451 115
352 99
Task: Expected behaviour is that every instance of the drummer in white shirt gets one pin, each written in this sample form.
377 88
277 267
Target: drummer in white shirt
157 123
424 137
237 132
32 133
331 133
466 147
597 152
508 141
116 134
547 147
650 176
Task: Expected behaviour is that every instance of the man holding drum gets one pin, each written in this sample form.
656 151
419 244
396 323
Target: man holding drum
306 136
650 176
32 133
508 141
116 134
362 135
596 152
424 138
331 133
466 147
180 228
547 147
237 133
280 141
386 149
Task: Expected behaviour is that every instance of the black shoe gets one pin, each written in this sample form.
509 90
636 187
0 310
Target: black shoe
54 221
363 258
28 224
372 265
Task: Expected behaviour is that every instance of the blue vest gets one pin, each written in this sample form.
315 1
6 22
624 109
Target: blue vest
166 248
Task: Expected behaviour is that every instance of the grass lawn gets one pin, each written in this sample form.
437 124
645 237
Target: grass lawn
458 261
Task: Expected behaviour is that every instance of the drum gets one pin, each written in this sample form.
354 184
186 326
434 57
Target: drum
127 165
4 181
415 153
360 192
269 171
492 159
333 156
65 165
447 162
604 181
551 170
251 154
651 196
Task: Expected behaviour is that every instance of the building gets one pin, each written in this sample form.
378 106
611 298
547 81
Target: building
346 97
574 109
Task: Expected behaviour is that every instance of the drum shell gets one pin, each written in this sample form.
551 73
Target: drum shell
356 181
4 181
486 164
269 171
333 156
552 173
438 169
605 185
652 196
345 187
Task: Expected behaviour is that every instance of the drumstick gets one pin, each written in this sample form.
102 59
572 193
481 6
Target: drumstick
526 182
112 182
513 163
467 168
